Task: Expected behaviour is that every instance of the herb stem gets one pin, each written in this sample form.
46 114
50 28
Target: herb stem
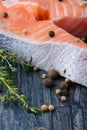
5 60
13 92
8 82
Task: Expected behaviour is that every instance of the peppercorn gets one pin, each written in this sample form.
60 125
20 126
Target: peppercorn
53 74
67 80
51 33
64 85
78 39
64 92
58 91
35 68
44 108
42 128
25 31
51 108
60 0
83 39
63 98
5 15
44 76
48 82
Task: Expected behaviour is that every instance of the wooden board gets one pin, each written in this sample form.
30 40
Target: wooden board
71 115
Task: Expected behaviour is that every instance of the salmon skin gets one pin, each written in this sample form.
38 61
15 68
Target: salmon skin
58 56
62 52
70 15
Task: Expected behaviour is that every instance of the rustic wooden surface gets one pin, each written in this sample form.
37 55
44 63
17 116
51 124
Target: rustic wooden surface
71 115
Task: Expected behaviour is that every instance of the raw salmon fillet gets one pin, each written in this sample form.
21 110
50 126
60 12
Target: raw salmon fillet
70 15
61 52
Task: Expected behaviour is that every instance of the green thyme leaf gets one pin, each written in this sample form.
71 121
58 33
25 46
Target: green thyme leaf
8 60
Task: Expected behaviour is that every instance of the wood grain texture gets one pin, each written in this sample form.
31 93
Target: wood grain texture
71 115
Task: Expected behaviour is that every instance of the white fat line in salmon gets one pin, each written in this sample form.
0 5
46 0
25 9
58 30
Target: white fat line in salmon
40 31
51 39
74 10
37 26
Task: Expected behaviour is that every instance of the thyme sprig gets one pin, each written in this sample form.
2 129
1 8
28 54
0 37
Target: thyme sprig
12 93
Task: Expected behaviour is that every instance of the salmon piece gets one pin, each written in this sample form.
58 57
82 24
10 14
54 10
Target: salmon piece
61 52
70 15
74 17
35 9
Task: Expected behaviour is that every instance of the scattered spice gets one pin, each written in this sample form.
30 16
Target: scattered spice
78 39
53 74
60 0
44 76
64 71
67 80
63 98
51 107
42 128
83 39
48 82
36 68
25 31
51 33
5 15
64 85
44 108
58 91
64 92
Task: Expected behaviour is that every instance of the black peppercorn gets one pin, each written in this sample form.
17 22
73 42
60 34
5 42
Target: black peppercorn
51 33
5 15
60 0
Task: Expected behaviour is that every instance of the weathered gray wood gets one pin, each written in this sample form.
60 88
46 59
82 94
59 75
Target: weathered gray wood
68 116
85 118
71 115
78 122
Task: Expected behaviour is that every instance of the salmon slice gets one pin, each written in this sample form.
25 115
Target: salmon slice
61 52
70 15
73 17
